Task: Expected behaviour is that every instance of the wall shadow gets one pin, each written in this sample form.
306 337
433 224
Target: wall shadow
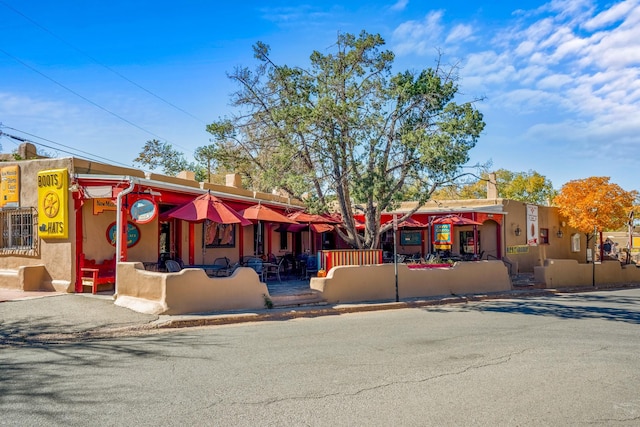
571 306
39 367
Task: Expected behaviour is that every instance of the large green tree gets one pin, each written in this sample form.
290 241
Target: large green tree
346 130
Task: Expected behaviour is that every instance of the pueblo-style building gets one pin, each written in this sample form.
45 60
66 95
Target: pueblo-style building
59 216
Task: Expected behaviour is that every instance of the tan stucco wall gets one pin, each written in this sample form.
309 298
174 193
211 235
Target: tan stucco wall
55 254
548 217
377 282
29 278
188 291
96 246
558 273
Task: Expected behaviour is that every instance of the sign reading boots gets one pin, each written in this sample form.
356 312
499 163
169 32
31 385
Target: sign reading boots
53 189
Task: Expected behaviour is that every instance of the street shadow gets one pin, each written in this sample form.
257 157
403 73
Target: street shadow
570 306
39 366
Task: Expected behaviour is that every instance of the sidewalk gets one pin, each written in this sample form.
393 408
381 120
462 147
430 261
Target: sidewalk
30 314
51 315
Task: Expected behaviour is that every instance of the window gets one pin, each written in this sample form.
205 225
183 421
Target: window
19 229
283 240
575 242
218 235
544 236
410 237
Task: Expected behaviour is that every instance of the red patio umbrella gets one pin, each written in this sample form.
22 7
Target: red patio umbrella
208 207
316 222
455 220
410 223
260 212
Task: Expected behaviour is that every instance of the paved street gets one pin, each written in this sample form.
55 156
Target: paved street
570 359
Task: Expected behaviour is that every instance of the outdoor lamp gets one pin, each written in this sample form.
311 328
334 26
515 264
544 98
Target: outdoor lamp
560 234
517 231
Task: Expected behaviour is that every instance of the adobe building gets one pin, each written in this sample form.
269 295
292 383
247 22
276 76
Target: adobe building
521 234
60 215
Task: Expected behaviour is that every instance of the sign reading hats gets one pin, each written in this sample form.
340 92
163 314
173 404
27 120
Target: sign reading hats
52 204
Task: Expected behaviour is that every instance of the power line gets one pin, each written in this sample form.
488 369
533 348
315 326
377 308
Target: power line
102 64
95 104
88 155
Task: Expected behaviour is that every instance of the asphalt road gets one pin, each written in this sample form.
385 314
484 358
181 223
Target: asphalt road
571 359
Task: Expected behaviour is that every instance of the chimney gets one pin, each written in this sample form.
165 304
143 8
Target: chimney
492 188
187 175
233 180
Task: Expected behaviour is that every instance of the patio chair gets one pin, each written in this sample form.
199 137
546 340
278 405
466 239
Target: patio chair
172 266
274 269
222 266
290 265
256 265
312 265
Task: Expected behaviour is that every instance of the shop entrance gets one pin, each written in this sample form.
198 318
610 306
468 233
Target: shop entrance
168 247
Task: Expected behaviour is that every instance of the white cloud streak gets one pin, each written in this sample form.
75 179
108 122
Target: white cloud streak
568 71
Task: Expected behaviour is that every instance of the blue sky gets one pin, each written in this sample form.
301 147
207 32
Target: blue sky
560 79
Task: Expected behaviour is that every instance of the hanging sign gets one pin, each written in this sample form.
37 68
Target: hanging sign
53 215
442 234
532 225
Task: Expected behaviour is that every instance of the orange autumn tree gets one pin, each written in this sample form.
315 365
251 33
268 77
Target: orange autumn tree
595 205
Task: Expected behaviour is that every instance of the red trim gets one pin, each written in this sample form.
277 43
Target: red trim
241 242
192 249
79 247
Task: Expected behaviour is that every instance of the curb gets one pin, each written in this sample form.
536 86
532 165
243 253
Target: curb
310 311
284 313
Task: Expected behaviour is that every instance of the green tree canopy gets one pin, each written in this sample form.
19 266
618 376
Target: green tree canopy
161 155
156 154
346 130
529 187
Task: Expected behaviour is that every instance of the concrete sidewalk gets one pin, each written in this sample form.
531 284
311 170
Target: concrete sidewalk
63 315
51 313
73 316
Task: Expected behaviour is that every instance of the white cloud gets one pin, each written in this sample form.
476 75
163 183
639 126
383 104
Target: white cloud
459 33
610 16
554 81
418 37
400 5
565 78
569 69
23 106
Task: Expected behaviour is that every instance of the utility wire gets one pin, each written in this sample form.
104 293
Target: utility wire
102 64
95 104
89 156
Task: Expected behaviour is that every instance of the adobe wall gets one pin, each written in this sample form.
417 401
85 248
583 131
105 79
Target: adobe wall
559 273
56 254
188 291
347 284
